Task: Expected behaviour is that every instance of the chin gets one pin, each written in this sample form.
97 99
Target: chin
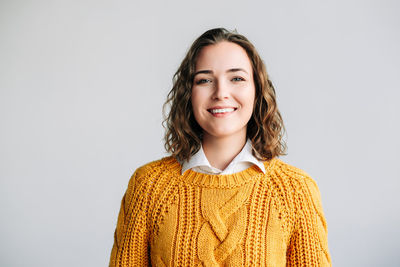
220 133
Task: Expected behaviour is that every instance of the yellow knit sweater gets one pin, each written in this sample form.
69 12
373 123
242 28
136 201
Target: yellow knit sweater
243 219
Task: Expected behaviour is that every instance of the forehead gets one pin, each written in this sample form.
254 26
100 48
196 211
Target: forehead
223 56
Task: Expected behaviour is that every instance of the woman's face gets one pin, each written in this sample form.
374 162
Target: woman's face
223 90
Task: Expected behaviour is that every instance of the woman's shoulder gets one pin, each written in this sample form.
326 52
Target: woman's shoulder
151 171
290 179
167 163
288 172
294 182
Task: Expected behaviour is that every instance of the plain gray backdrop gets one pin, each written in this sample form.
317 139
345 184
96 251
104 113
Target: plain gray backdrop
82 87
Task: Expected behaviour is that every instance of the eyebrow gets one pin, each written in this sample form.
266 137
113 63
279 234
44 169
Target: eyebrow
210 71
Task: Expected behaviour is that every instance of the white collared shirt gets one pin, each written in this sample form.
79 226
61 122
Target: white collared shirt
245 159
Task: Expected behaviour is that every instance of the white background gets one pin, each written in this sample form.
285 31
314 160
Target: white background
82 85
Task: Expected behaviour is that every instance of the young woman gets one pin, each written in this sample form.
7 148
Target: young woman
223 198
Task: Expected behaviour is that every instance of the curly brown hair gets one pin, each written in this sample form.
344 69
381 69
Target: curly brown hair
183 134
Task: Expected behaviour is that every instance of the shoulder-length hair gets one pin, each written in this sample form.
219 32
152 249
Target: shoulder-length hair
183 134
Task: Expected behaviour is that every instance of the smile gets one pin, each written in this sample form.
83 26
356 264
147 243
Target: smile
221 112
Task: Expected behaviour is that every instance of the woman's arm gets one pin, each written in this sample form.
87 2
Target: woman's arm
131 235
308 244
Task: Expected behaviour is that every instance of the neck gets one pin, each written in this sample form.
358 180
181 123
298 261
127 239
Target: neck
220 151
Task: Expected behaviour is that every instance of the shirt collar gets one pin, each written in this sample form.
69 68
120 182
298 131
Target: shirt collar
245 155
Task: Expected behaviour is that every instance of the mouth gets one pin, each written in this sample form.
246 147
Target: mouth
216 111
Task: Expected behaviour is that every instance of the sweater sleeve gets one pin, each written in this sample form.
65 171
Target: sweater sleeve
308 245
131 235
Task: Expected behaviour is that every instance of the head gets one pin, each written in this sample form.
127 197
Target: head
263 123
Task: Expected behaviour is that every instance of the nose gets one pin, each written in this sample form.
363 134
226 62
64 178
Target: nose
221 90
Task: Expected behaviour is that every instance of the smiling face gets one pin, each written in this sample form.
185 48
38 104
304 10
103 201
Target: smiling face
223 90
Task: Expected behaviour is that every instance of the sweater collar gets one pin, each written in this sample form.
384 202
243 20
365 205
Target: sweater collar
199 159
218 180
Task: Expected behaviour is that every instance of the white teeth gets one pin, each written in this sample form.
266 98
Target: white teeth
221 110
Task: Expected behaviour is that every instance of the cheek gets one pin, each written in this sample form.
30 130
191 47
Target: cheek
198 99
252 97
196 104
248 99
197 107
194 101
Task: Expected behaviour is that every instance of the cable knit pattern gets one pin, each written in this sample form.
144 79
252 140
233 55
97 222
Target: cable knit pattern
243 219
